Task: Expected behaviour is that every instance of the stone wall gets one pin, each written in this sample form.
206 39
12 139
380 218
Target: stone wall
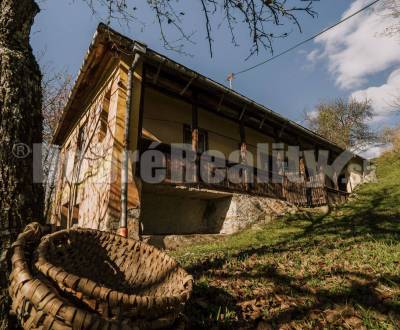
244 211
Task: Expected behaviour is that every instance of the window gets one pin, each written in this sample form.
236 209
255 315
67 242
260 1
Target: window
80 144
65 160
104 116
81 138
203 138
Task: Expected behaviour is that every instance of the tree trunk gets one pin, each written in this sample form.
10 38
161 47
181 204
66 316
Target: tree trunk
21 200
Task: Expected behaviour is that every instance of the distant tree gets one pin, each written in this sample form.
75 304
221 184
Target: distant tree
21 118
391 136
343 122
56 87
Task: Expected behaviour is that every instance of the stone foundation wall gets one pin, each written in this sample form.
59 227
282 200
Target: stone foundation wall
244 211
226 216
168 214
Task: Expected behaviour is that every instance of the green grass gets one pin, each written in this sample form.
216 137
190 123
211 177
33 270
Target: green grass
339 270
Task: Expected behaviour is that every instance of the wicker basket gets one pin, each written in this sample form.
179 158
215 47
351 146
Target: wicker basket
87 279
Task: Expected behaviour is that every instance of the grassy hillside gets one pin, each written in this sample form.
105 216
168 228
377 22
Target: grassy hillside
307 271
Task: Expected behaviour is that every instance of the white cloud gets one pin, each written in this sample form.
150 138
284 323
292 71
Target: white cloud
313 114
312 58
374 151
314 55
383 98
357 48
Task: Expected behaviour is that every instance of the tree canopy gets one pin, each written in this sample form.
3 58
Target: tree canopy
343 122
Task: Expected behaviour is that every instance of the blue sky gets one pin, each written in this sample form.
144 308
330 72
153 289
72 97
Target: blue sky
351 60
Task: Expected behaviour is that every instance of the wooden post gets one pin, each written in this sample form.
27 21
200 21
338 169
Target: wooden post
243 145
195 135
195 129
243 152
302 169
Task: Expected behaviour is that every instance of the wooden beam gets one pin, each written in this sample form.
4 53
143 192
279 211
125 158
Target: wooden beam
262 121
220 102
242 132
281 131
183 91
243 112
302 168
155 79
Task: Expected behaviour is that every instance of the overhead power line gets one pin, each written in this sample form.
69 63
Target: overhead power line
232 75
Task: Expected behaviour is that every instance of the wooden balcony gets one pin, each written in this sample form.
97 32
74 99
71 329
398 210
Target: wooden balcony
248 180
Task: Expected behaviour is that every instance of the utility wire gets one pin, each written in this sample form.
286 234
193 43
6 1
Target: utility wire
232 75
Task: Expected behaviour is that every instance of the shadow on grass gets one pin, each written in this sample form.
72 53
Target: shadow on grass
373 217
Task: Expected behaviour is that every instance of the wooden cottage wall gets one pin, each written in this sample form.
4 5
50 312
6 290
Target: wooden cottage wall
92 175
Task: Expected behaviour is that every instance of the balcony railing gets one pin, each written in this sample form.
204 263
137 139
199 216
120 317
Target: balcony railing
240 178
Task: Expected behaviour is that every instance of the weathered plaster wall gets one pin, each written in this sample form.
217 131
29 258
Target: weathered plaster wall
165 116
354 175
223 134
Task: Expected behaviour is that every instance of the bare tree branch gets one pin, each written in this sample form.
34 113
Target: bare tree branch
259 17
56 87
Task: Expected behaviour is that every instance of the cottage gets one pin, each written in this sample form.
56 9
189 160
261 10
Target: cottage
132 109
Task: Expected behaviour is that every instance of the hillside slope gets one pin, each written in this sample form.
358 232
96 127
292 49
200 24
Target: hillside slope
309 270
